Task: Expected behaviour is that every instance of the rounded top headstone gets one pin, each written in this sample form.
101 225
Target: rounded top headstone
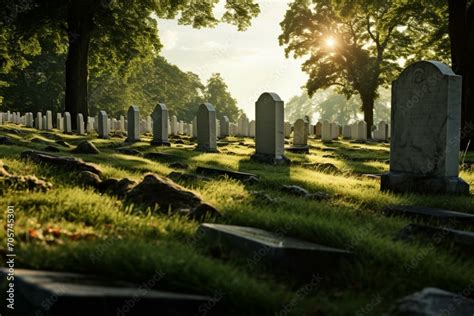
416 69
272 95
207 106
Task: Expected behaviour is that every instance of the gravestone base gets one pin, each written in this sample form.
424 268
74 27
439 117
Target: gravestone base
206 150
160 143
404 182
298 149
271 159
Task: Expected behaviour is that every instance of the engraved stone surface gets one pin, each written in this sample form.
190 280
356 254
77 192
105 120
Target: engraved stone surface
58 293
160 125
269 138
279 252
425 131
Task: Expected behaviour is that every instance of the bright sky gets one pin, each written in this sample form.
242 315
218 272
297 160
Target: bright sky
250 62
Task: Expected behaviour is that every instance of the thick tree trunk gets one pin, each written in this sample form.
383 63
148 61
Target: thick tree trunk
461 35
79 24
368 109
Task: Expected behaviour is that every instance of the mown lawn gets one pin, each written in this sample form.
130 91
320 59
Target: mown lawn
70 228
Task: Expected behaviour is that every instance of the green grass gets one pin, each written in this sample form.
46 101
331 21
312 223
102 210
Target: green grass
75 229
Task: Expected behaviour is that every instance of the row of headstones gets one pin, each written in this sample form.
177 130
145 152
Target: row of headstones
330 131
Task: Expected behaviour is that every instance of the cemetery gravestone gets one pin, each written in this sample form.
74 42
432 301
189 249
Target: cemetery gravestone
326 132
49 120
206 128
252 128
269 136
102 125
346 131
300 137
225 126
133 127
160 125
39 121
425 137
80 124
318 129
361 131
287 128
67 123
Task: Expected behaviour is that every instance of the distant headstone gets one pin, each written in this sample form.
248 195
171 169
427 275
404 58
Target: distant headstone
44 122
122 123
287 129
67 123
90 125
224 126
218 128
346 131
160 125
181 127
318 129
195 133
252 128
326 131
29 121
361 131
243 126
133 127
300 136
49 120
102 125
80 124
425 138
174 125
334 131
381 133
38 121
148 124
206 128
269 137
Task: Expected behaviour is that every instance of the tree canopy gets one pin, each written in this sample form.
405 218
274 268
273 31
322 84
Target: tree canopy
355 46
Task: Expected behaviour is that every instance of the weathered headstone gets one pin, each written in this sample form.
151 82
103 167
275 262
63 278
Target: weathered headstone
318 130
425 138
361 131
195 133
287 128
224 126
346 131
49 120
326 131
90 125
61 293
133 127
174 125
206 128
102 125
252 128
243 124
381 133
80 124
160 125
283 254
29 121
300 134
334 131
67 123
149 125
269 138
38 121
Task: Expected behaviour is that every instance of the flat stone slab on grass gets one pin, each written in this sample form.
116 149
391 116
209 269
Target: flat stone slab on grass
230 173
285 254
429 213
433 301
57 293
462 239
162 157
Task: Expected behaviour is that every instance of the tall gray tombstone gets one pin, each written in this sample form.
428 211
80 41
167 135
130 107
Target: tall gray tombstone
206 128
425 136
133 126
49 120
102 125
38 121
300 134
160 125
67 123
224 126
269 136
80 124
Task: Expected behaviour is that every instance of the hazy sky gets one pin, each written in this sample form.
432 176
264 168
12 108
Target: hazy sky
250 62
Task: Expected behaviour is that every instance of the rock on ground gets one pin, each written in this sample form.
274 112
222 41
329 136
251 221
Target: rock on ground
433 302
68 163
157 190
86 147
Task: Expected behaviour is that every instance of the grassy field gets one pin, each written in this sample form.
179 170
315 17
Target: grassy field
70 228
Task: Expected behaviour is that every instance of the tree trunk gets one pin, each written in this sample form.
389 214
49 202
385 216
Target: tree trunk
368 109
79 26
461 35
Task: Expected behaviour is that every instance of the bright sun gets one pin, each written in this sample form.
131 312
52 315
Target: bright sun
330 42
